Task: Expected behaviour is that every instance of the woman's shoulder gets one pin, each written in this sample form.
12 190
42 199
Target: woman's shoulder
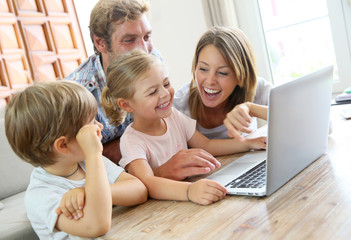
181 98
262 90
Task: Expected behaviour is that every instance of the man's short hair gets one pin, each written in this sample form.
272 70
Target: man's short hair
107 12
41 113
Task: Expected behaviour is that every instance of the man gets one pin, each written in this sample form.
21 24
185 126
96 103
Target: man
116 27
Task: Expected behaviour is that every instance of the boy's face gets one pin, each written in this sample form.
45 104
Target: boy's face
153 97
130 35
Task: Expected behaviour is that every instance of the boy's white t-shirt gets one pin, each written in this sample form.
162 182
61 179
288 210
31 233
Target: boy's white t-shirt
157 149
44 195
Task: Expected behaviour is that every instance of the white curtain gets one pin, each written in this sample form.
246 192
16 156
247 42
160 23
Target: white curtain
220 13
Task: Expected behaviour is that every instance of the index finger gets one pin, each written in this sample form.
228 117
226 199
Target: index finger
232 131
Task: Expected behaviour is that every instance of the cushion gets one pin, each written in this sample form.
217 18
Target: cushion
14 172
14 223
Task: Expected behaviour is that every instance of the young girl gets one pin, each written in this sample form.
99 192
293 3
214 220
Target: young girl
137 84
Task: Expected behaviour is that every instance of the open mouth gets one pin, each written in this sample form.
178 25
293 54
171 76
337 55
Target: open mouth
211 92
162 106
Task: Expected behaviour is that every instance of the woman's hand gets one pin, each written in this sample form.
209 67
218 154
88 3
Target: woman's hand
238 120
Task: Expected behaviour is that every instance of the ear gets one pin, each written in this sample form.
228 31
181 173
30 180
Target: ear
100 44
124 104
60 145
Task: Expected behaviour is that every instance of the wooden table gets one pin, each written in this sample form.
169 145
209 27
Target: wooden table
316 204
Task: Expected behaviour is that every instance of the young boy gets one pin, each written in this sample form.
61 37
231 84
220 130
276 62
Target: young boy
52 126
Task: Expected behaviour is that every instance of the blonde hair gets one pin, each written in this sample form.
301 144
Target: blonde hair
122 74
107 12
238 54
36 116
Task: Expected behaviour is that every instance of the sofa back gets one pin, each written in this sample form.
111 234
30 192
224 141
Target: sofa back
14 173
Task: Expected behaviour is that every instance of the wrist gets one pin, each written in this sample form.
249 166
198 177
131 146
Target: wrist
187 193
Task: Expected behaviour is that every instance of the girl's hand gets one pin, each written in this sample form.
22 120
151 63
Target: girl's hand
257 143
206 191
238 120
72 204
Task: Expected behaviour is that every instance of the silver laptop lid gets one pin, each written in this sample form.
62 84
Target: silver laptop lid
298 125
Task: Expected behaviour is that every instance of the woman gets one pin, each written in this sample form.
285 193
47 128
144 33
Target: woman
225 92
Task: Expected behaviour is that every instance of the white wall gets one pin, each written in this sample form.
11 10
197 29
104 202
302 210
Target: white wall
177 26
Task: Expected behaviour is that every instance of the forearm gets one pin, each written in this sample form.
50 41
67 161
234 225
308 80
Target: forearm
97 211
129 192
97 190
220 147
259 111
166 189
158 187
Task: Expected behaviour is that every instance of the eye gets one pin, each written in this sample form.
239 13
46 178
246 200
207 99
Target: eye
147 37
153 92
167 84
129 40
223 73
202 69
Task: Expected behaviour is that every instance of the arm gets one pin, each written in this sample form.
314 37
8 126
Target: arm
112 151
96 219
219 147
239 119
128 191
186 163
203 192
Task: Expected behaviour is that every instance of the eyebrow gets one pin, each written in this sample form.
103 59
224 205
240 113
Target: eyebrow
133 34
226 66
155 85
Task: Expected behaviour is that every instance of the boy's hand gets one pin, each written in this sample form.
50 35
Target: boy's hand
72 204
257 143
89 138
206 191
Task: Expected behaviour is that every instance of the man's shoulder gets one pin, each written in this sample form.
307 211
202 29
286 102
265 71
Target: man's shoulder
89 67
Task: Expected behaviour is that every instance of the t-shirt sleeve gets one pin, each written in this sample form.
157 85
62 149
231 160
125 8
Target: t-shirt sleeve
113 171
262 91
187 123
132 148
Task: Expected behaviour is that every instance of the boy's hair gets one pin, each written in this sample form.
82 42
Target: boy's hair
238 54
107 12
38 115
122 74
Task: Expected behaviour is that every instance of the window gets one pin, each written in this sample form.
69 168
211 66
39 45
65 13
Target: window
294 38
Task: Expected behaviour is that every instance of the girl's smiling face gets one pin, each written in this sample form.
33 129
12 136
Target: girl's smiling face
215 79
153 96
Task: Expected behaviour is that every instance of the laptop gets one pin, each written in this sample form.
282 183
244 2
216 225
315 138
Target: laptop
297 135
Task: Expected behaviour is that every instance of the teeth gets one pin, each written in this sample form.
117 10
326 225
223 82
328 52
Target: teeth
163 105
211 91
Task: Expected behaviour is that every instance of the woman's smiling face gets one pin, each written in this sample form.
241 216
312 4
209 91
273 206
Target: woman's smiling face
215 79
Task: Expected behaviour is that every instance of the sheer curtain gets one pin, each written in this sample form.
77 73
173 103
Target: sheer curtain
220 13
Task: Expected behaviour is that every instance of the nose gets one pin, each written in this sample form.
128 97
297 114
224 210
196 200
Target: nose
212 77
164 92
143 45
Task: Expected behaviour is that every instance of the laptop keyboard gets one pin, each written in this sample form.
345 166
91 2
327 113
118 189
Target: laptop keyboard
254 178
